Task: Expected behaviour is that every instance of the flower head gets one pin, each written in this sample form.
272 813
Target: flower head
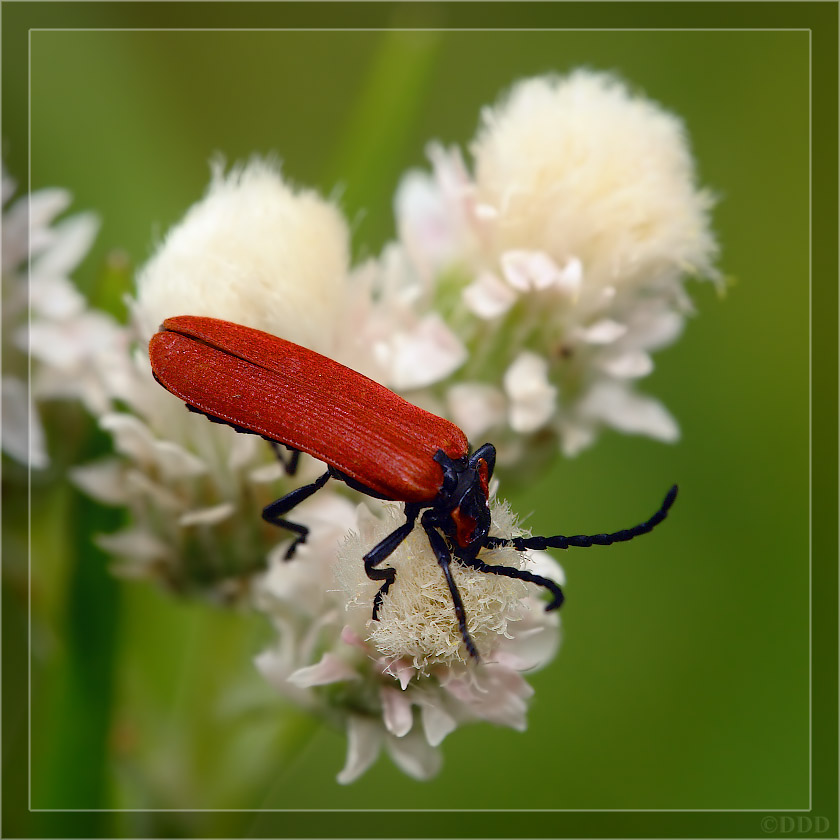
254 251
404 681
569 245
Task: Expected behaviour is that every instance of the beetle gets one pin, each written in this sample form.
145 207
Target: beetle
369 437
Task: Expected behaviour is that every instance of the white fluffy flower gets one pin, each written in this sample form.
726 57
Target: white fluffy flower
405 680
254 251
570 242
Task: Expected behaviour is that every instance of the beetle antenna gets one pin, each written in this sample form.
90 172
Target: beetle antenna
586 540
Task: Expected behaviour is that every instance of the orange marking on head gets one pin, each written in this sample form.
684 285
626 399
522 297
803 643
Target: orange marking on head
483 477
464 527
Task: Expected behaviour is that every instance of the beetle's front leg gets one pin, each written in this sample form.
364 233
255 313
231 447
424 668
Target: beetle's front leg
444 558
383 550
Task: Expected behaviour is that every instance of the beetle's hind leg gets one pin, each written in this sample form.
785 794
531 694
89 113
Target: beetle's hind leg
290 464
273 513
519 574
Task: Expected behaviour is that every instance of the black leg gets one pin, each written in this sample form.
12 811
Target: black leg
444 558
519 574
290 465
273 513
383 550
584 540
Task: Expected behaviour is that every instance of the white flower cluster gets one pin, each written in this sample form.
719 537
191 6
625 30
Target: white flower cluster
522 298
39 254
567 248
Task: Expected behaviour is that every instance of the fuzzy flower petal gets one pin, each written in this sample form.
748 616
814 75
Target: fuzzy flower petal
253 251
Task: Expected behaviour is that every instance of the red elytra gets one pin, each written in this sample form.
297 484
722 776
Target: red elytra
297 397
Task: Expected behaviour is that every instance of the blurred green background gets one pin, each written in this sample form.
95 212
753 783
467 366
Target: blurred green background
683 680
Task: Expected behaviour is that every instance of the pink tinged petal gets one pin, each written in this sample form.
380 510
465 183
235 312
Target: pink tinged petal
426 354
532 397
133 543
476 408
102 480
364 740
424 220
329 669
350 637
605 331
405 673
23 436
498 695
630 365
488 297
396 711
437 723
613 404
208 515
414 756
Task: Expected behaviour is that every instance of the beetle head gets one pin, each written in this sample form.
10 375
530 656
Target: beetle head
464 514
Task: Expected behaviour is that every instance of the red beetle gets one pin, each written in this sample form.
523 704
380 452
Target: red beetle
370 438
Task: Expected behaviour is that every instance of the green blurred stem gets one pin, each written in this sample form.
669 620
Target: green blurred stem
371 147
